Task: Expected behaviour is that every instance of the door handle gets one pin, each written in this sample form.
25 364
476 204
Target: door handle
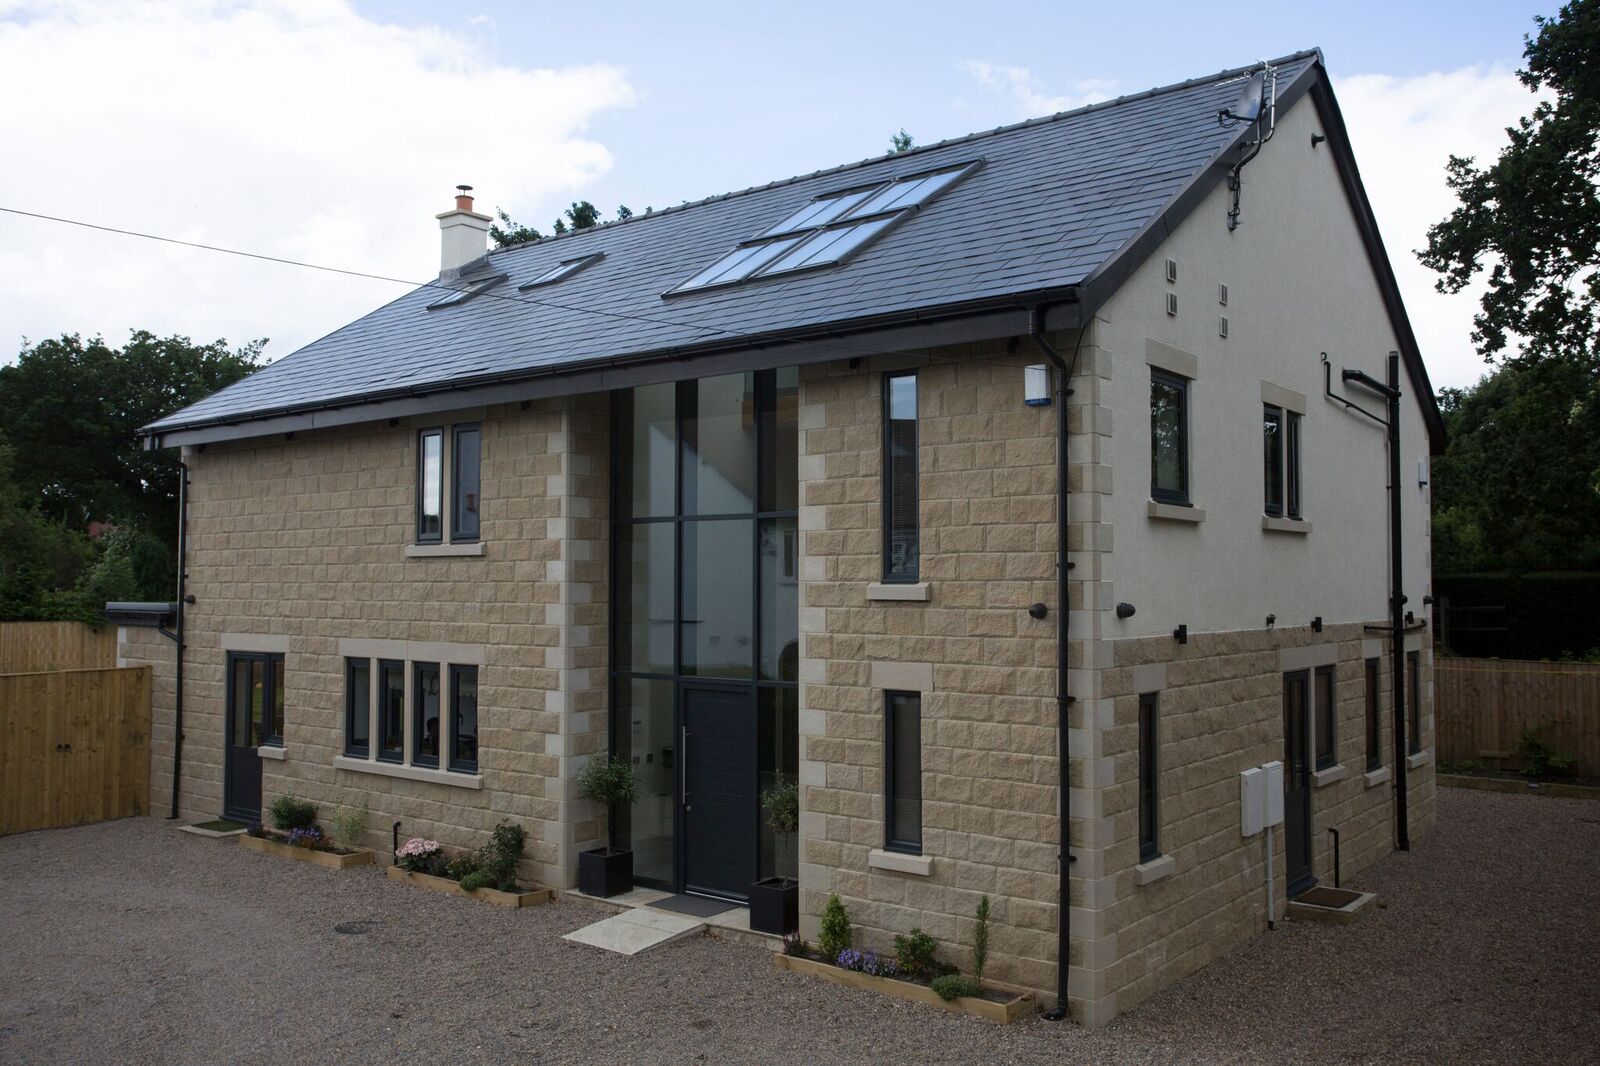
683 768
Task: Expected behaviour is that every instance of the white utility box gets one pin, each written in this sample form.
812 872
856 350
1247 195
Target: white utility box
1252 801
1274 806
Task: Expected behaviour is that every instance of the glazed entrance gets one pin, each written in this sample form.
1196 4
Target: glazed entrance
705 622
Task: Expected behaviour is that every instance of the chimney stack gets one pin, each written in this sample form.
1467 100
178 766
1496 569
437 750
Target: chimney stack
465 235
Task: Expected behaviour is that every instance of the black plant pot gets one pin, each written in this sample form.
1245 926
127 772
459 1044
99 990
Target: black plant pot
775 906
605 872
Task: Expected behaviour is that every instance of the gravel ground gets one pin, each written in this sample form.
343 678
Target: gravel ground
130 942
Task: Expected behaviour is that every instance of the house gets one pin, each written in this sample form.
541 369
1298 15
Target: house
770 488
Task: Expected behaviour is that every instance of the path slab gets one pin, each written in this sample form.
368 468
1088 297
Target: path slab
634 931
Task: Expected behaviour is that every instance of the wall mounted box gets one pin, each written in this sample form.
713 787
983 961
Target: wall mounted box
1274 808
1252 801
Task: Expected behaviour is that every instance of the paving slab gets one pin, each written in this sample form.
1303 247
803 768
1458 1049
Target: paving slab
634 931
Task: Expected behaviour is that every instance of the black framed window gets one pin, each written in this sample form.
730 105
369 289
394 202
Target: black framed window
903 772
1272 455
255 698
1291 463
1149 765
430 486
464 718
425 730
1414 701
465 481
391 710
901 536
1327 718
1169 437
358 707
1374 715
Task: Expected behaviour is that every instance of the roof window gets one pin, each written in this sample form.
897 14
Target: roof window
467 292
564 269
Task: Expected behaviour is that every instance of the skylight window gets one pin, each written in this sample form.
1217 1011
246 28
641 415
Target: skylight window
462 295
828 230
564 269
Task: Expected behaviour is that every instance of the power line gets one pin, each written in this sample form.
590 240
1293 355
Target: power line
414 284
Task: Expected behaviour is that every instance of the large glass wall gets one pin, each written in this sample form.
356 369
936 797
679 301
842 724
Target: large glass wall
705 588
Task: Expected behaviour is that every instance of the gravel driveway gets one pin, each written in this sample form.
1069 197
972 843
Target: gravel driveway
130 942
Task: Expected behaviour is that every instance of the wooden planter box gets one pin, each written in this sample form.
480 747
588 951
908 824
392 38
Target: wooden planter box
1002 1012
532 898
332 860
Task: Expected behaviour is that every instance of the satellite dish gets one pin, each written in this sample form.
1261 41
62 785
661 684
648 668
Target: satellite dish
1248 107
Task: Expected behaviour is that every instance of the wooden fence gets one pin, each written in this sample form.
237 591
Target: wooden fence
1484 705
74 747
29 646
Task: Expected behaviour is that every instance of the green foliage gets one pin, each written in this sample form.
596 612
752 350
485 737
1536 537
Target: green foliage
835 934
914 952
1537 616
1540 762
782 806
459 867
349 824
980 939
1533 217
497 859
581 215
901 142
607 781
289 812
1518 487
956 985
477 879
794 945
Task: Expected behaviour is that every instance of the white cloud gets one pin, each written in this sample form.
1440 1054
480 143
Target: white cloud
294 128
1020 96
1403 130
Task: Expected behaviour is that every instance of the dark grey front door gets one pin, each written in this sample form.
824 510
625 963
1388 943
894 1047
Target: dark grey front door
719 803
246 727
1297 783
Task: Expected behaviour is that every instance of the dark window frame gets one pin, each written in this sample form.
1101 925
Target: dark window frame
1291 462
1414 702
913 575
448 735
378 742
1374 673
1273 495
456 534
422 436
1149 777
1325 720
269 689
1181 496
418 668
894 839
351 748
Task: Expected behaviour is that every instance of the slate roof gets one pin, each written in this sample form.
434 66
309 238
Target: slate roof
1053 202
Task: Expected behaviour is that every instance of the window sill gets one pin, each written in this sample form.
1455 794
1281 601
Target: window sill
1175 512
1321 778
1149 872
900 862
408 773
1421 758
273 751
444 551
1299 526
913 592
1374 778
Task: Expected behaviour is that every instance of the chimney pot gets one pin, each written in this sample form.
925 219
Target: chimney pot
463 201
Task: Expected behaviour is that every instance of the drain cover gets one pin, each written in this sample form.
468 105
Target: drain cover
354 928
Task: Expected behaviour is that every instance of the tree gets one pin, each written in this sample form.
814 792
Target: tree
581 215
901 142
1533 218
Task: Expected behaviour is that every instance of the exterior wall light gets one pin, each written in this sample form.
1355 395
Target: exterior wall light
1124 610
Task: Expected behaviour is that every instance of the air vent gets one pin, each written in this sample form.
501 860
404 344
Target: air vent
1222 295
1172 270
1172 303
1222 325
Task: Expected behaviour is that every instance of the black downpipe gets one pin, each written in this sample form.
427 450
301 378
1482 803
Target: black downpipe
183 576
1397 611
1064 860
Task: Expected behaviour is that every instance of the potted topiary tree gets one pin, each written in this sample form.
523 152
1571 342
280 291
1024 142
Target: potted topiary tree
775 901
606 871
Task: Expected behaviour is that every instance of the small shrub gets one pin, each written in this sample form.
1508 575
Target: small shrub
980 940
782 806
955 985
255 829
289 812
794 944
349 824
1540 762
497 859
421 856
475 880
836 934
915 953
607 781
462 866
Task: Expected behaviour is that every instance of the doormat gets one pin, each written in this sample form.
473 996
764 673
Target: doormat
698 906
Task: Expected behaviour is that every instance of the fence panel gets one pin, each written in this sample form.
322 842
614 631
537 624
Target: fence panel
74 747
1484 705
30 646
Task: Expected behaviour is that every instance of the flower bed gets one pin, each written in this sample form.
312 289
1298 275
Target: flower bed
488 874
297 845
995 1005
530 897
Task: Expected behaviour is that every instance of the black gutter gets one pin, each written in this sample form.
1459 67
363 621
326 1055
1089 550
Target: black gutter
1064 857
183 576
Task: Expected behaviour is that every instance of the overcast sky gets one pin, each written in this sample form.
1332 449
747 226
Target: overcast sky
334 132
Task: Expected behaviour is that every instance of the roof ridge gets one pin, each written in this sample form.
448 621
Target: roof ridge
1099 105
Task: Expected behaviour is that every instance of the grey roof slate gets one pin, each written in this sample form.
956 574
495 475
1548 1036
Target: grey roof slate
1054 201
